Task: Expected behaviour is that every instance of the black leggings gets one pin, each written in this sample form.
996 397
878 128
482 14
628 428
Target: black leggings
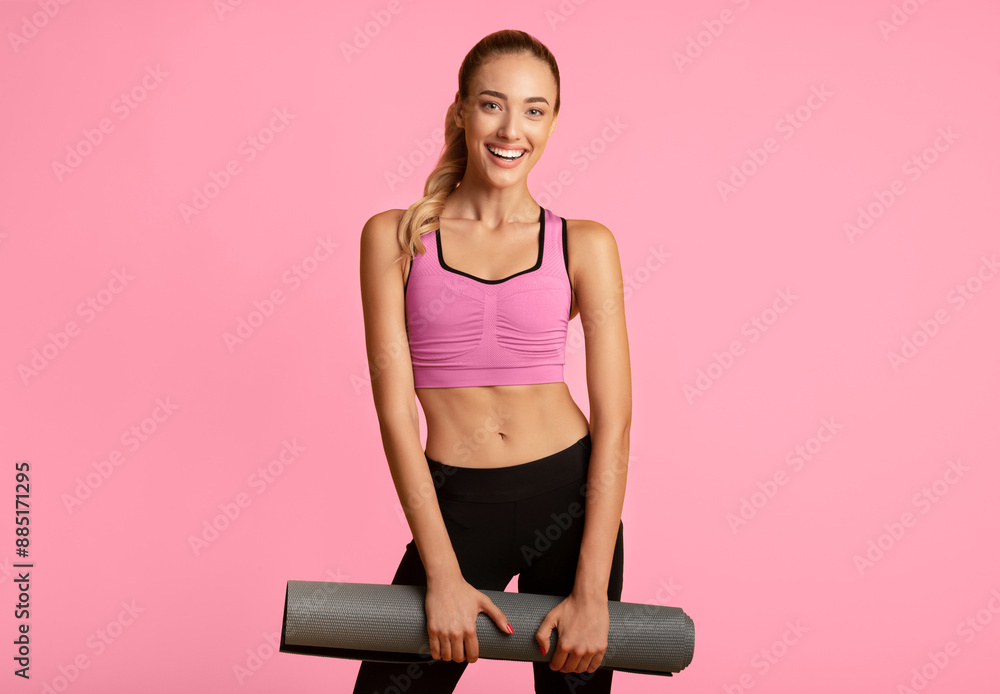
522 519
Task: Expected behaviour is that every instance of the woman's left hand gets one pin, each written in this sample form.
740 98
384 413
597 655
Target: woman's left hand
583 624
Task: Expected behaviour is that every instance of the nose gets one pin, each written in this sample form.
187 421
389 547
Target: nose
509 127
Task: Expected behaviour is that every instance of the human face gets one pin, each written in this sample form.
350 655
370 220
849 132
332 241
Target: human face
510 108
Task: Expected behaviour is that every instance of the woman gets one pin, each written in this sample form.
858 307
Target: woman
473 320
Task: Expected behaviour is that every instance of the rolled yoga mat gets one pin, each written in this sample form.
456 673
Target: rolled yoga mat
386 623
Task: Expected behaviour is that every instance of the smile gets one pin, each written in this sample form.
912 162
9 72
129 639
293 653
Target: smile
506 154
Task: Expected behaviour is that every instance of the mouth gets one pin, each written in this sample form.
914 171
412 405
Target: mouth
506 154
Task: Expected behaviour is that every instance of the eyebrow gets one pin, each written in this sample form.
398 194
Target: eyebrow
501 95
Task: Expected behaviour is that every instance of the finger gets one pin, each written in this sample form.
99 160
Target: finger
571 663
458 649
582 664
472 648
435 646
445 648
559 659
544 634
595 662
496 614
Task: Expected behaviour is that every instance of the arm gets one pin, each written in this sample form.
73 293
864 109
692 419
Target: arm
582 618
451 604
391 371
600 295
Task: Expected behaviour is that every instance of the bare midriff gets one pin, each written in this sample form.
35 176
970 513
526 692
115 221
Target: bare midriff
500 426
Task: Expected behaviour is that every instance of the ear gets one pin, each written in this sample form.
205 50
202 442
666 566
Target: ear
552 128
459 111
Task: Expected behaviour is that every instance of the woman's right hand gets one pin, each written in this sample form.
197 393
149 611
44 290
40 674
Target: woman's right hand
452 608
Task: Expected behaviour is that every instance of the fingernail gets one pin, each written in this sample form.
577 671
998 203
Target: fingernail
510 628
544 650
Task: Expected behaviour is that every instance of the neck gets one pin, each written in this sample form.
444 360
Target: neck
492 207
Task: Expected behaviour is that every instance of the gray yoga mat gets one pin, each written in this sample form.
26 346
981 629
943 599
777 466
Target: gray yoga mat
386 623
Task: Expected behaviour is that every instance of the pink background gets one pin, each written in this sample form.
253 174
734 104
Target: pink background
215 79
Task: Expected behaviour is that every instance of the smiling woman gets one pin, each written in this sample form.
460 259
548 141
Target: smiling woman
482 297
506 153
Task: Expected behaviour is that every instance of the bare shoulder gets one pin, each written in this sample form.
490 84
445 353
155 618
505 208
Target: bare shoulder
384 316
379 244
382 226
594 242
590 236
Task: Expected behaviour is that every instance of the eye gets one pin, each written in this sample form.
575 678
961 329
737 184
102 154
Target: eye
538 111
491 103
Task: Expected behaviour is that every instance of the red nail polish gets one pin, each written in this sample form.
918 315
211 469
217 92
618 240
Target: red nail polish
544 650
510 628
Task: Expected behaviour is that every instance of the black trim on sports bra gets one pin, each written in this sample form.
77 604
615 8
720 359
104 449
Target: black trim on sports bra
408 274
566 259
538 262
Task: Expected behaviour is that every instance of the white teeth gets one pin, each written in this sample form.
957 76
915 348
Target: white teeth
507 153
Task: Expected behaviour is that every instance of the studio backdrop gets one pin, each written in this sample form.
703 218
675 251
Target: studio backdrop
804 199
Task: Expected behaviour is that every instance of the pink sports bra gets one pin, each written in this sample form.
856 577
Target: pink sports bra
467 331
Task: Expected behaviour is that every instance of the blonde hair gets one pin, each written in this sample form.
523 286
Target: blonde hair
423 215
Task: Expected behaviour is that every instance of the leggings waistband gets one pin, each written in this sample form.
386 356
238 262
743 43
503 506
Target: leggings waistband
512 482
